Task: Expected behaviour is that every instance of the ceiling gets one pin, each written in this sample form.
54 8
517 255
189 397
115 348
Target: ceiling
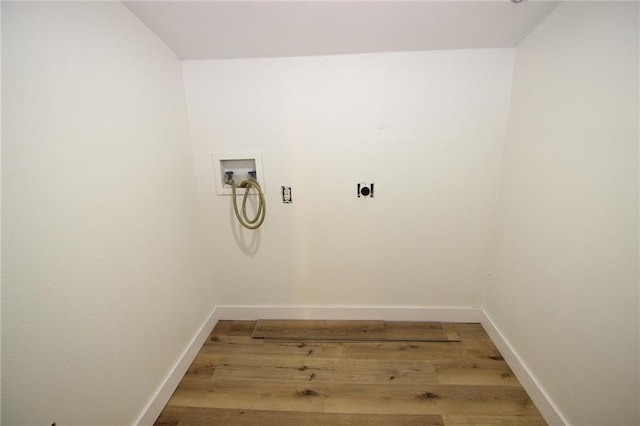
240 29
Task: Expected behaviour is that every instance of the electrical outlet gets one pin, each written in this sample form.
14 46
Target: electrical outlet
365 190
286 195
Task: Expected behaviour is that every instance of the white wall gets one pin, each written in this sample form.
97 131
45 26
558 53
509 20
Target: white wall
427 128
102 287
0 232
564 281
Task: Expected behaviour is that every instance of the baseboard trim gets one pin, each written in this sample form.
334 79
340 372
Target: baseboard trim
386 313
152 411
536 392
394 313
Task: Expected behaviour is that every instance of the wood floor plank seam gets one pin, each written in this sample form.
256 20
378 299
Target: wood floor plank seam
354 330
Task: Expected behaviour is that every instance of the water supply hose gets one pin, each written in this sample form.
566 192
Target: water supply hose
262 206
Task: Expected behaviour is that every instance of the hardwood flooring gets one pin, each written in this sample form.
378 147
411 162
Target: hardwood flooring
360 331
239 380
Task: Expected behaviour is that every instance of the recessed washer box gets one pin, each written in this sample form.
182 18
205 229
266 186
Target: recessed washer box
240 163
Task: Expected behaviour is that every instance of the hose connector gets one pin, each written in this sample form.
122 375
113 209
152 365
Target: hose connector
228 177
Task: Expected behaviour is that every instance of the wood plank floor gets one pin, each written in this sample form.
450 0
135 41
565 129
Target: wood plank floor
239 380
360 331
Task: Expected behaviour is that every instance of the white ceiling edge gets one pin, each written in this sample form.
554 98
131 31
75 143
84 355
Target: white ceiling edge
264 28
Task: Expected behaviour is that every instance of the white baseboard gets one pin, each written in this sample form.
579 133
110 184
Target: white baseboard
390 313
395 313
536 392
171 381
